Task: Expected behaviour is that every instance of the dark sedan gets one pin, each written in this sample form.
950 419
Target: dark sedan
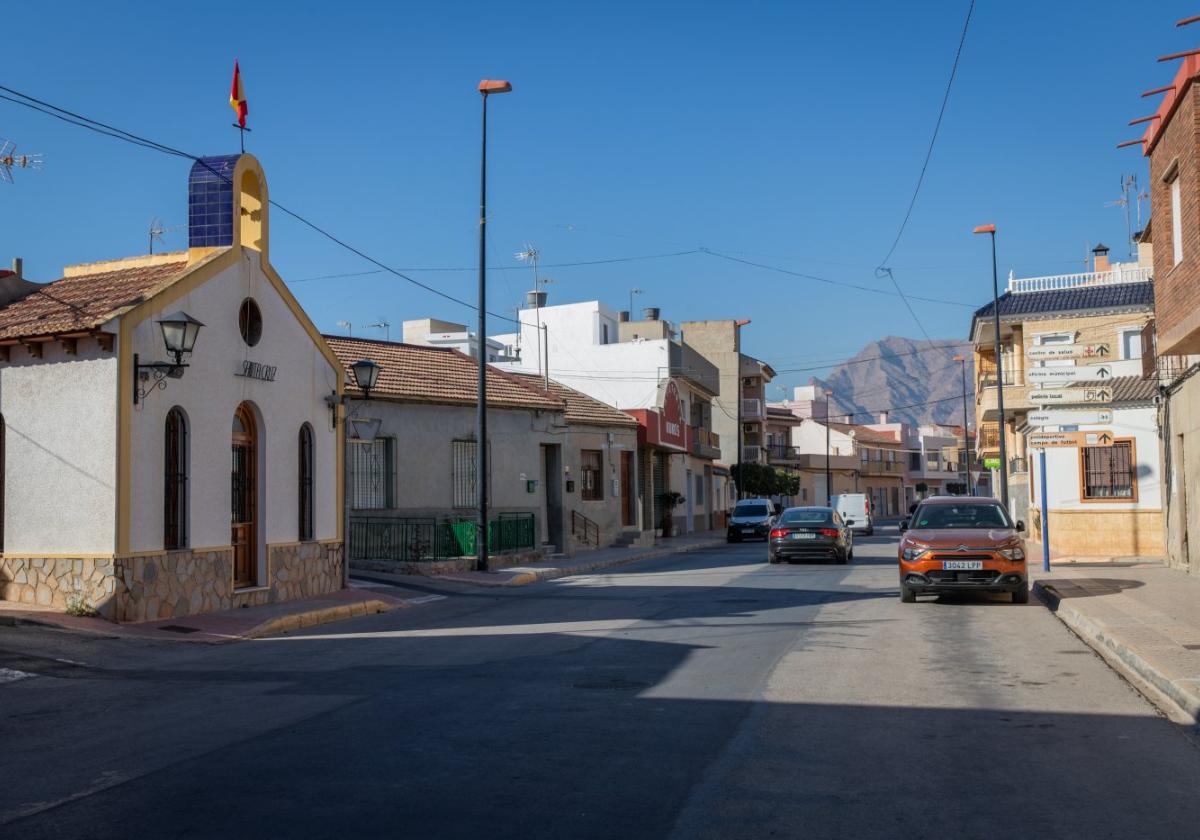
811 533
751 520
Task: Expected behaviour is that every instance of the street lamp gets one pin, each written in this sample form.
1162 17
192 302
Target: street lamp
828 469
179 332
991 229
487 87
365 374
966 429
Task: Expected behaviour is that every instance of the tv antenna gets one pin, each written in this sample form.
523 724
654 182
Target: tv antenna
158 230
381 324
10 160
536 298
348 327
1131 196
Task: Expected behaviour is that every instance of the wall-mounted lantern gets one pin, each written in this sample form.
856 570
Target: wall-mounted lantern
366 374
179 332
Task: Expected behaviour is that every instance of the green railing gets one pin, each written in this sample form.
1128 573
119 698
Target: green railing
417 539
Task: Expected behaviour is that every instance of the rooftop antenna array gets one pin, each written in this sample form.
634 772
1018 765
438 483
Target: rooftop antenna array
1131 196
10 160
536 298
381 324
158 230
348 327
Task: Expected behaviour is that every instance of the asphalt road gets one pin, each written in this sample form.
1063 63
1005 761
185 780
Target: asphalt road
706 695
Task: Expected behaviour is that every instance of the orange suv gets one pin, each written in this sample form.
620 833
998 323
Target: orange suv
962 543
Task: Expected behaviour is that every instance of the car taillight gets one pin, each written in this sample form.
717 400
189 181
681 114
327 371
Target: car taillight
779 532
829 532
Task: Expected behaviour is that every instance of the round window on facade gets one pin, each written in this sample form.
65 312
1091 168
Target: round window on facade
250 322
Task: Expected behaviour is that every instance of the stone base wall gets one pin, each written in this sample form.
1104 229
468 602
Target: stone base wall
169 584
1090 533
53 581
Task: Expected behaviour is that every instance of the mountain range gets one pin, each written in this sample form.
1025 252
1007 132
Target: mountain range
914 380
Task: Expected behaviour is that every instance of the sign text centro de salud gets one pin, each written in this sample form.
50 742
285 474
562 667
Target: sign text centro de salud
1067 351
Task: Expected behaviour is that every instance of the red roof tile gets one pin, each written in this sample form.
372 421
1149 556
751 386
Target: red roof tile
415 373
580 407
84 301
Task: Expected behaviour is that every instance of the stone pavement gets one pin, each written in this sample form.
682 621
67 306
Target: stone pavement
217 627
1143 618
591 561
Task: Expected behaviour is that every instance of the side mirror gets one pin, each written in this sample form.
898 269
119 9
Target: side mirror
903 525
848 522
1021 526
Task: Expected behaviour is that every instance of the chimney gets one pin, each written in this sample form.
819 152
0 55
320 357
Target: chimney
18 268
1100 258
650 313
535 299
623 316
883 417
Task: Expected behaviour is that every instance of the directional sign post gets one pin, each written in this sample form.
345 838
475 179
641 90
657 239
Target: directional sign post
1069 418
1055 440
1101 394
1067 351
1069 373
1045 513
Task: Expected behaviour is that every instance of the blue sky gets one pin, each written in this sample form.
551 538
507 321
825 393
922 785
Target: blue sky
785 133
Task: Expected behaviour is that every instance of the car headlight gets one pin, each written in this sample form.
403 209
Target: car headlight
1013 553
913 553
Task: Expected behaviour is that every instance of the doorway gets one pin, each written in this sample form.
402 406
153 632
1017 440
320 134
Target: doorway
552 499
628 496
244 485
688 485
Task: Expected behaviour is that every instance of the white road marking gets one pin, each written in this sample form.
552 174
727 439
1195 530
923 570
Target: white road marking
8 675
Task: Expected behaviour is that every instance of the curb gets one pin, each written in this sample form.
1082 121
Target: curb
527 576
312 618
1179 702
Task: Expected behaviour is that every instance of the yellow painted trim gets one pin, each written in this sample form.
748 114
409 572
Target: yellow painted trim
324 543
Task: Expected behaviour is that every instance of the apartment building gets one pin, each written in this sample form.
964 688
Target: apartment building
645 369
1071 352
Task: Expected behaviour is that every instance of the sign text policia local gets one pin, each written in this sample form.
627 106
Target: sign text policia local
257 370
1101 394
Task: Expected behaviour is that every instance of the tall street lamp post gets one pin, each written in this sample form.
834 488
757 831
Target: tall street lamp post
966 430
991 229
487 87
737 352
828 467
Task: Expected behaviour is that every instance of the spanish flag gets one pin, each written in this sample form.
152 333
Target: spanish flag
237 96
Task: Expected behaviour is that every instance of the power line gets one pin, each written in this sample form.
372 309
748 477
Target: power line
802 275
852 361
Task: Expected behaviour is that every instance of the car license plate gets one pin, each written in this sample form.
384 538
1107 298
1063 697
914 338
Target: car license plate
803 535
962 565
747 530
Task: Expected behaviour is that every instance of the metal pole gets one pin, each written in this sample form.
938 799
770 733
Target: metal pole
1045 513
737 393
546 348
999 379
828 471
967 431
481 447
345 496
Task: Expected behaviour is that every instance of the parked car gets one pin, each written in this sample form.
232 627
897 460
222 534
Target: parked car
856 506
751 520
962 543
811 533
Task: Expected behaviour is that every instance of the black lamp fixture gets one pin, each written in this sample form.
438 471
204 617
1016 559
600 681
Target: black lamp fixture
366 374
179 332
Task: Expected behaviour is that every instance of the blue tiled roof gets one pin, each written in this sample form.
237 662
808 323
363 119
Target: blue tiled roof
1073 300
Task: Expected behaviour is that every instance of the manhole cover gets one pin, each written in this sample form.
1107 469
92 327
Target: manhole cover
615 684
179 628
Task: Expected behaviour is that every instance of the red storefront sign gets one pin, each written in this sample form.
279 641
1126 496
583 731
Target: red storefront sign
664 428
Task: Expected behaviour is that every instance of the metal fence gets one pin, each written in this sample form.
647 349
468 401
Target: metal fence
417 539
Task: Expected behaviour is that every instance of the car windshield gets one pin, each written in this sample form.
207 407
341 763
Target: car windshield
756 509
806 517
940 517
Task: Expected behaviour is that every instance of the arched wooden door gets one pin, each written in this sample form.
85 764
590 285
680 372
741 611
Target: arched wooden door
245 498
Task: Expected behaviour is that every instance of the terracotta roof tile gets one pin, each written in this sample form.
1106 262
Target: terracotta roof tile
83 301
417 373
580 407
1125 388
864 434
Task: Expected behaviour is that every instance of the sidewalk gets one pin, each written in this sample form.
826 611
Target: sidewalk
1143 618
591 561
217 627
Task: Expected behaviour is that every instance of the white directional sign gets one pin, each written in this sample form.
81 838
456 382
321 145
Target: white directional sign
1072 396
1067 351
1069 373
1069 418
1053 440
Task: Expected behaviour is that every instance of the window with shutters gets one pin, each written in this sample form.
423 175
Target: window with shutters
464 467
591 462
175 468
305 480
371 471
1109 472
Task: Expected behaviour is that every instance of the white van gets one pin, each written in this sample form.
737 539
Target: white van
855 507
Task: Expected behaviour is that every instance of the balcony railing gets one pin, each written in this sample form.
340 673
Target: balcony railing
989 379
988 437
1120 274
705 443
752 409
782 452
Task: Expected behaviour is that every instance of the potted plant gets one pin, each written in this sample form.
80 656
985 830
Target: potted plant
669 501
